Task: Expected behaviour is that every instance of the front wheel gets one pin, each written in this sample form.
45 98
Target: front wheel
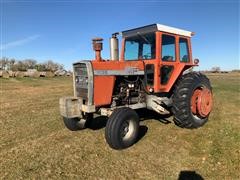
74 124
192 100
122 128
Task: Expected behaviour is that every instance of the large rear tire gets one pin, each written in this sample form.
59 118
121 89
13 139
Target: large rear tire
192 100
122 128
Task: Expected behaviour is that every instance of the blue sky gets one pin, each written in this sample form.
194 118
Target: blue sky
62 30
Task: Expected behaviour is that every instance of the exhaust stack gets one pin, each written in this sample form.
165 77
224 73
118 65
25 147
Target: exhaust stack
97 47
114 51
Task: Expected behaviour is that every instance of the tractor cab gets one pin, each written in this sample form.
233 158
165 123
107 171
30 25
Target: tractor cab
165 52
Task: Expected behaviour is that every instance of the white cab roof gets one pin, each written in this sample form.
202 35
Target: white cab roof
157 27
173 30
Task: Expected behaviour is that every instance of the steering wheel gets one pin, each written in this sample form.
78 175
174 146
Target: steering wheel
147 56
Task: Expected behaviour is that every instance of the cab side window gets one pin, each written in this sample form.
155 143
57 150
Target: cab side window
146 52
131 50
140 47
183 45
168 48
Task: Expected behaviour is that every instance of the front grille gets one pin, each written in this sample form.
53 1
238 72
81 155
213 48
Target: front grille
83 77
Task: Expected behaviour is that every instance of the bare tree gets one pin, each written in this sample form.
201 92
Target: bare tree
41 67
12 62
30 63
23 65
51 66
4 63
1 64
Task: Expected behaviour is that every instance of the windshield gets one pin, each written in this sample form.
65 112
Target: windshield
141 46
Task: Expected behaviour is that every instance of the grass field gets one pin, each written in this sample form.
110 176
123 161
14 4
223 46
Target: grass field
35 144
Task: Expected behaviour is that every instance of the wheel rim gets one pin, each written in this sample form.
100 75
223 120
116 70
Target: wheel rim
127 130
81 123
201 102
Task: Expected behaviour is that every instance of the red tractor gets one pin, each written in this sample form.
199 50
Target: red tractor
154 71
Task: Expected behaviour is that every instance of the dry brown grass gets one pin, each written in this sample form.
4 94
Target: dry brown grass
35 144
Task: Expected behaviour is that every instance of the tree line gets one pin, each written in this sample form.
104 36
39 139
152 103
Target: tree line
23 65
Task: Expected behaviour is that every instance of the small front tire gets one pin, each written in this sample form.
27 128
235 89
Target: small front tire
74 124
122 128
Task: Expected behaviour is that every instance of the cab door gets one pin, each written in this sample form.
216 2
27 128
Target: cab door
151 67
168 59
174 57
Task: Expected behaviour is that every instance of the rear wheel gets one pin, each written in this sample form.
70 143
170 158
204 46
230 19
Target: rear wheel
122 128
192 100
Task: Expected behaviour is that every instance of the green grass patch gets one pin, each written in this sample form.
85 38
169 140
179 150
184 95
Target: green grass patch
35 144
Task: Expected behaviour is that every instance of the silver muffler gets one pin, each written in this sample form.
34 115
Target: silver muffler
114 50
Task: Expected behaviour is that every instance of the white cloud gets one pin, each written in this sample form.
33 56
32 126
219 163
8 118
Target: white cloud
18 42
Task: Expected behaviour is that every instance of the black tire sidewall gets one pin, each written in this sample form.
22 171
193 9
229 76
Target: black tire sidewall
182 97
114 127
128 116
73 124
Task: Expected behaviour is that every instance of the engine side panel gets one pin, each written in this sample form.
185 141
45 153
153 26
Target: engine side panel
105 73
103 90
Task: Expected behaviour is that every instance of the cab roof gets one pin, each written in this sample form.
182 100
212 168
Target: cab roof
154 28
